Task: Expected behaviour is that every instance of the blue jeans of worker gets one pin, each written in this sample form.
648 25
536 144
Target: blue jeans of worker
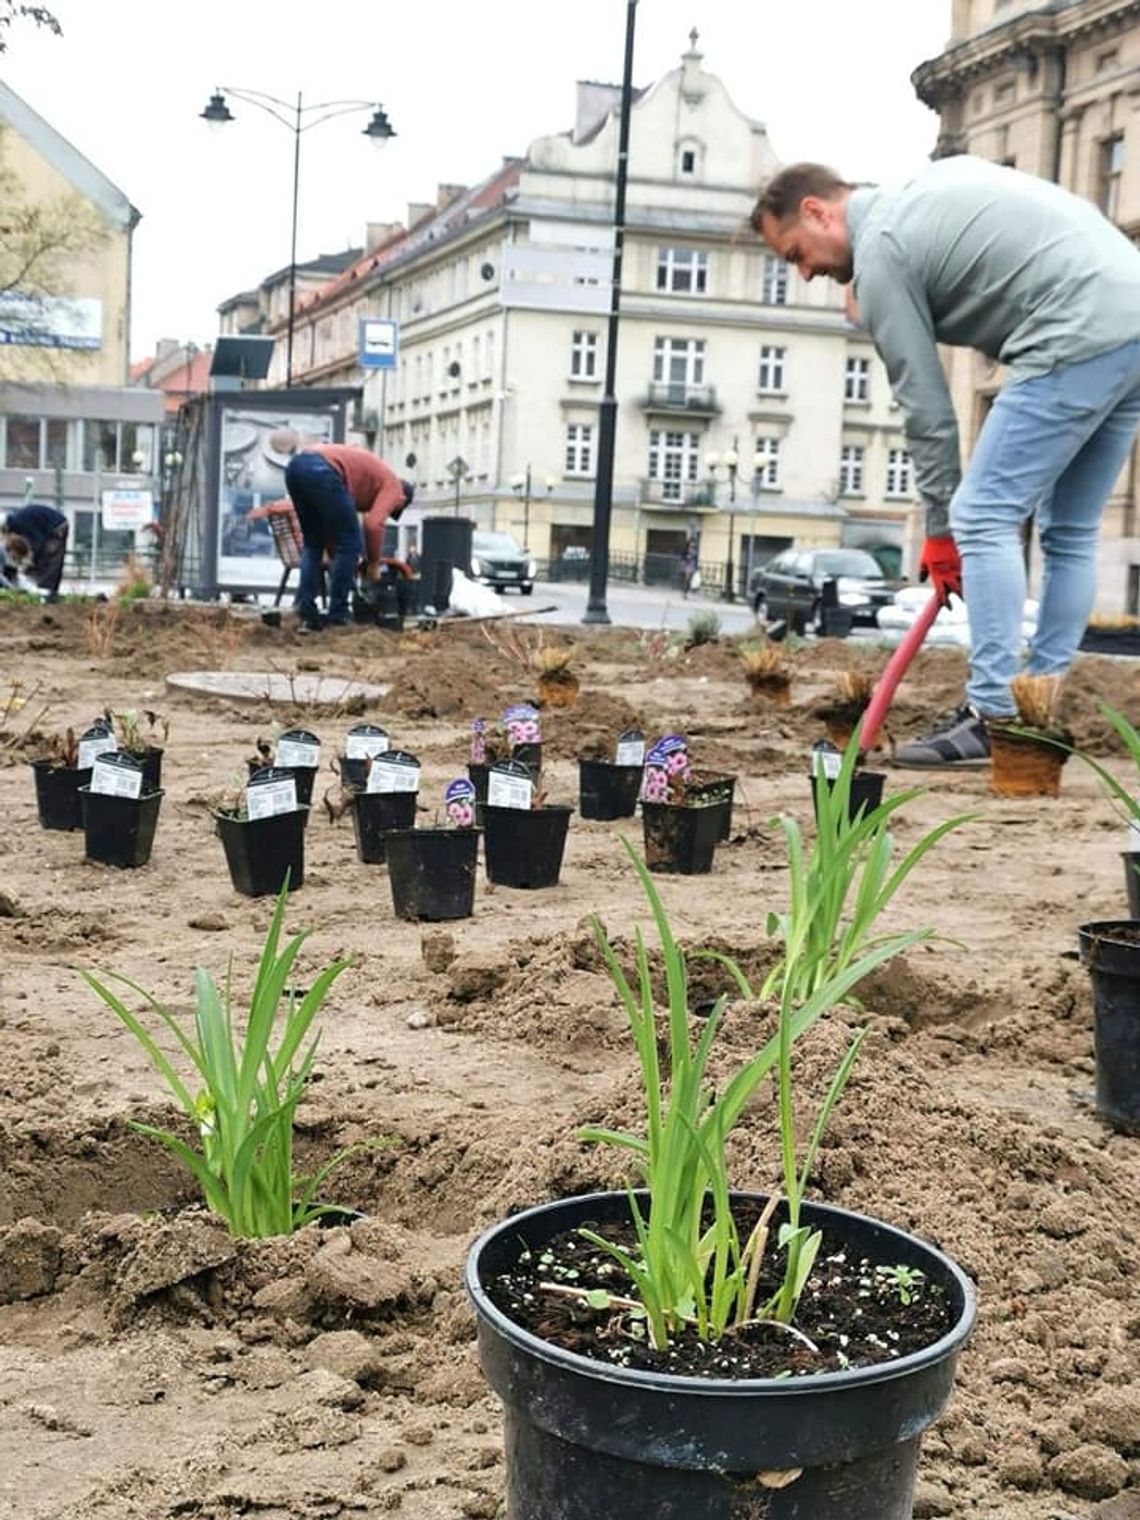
328 518
1053 445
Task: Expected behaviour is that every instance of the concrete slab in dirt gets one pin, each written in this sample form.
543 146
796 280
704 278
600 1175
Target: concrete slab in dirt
261 686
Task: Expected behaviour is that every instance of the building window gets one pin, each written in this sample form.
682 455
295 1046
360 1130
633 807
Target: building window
851 470
1004 92
474 360
767 464
771 381
1107 61
584 355
55 454
673 462
100 446
774 286
688 161
22 450
1111 170
580 448
899 473
489 357
679 363
683 271
857 380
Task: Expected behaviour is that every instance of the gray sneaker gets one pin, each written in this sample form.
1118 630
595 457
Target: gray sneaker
958 740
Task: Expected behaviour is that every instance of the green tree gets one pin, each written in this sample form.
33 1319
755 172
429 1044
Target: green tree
14 10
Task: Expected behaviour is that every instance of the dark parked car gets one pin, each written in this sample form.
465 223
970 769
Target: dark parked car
791 585
497 560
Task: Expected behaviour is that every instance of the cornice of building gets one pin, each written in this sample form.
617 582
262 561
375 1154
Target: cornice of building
1018 41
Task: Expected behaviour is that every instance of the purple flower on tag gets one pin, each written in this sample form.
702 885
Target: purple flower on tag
522 731
462 814
459 803
678 763
656 787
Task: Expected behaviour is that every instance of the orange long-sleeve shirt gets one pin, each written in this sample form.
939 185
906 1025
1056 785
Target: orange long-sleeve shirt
373 485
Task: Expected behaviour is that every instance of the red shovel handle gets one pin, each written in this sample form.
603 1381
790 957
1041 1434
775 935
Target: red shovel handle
896 668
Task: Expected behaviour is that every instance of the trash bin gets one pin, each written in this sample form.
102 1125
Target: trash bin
446 545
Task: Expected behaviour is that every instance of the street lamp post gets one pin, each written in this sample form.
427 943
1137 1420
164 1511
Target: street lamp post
596 611
731 461
521 486
378 131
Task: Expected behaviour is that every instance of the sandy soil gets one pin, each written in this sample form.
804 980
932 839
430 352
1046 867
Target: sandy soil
150 1367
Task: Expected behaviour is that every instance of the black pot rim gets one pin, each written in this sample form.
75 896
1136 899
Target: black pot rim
228 817
752 1388
434 832
547 807
611 765
1101 929
159 791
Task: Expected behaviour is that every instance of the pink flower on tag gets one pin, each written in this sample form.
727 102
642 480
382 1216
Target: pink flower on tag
656 784
462 814
678 763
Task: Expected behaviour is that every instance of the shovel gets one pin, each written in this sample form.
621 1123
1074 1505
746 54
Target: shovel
896 668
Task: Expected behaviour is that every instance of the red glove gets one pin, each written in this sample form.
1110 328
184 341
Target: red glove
942 567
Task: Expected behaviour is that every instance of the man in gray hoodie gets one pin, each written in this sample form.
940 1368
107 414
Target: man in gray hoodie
977 256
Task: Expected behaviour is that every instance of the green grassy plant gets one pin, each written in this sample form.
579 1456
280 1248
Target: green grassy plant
704 628
249 1089
1128 802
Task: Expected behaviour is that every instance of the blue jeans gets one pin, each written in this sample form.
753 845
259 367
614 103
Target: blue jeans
328 518
1054 445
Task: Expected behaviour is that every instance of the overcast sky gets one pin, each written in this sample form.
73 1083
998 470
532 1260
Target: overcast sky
464 84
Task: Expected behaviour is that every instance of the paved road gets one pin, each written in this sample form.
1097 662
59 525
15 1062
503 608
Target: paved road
629 606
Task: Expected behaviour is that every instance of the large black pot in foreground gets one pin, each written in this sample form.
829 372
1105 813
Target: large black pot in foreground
1111 951
524 847
590 1441
119 831
260 851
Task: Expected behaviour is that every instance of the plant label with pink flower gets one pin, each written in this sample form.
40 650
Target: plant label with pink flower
298 747
459 803
630 748
509 785
270 791
365 740
521 724
394 771
666 770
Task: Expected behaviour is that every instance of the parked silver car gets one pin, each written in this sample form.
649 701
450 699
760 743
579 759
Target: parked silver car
498 561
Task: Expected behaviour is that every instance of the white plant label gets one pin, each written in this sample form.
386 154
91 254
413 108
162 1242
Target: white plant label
266 799
296 752
383 777
631 752
111 780
826 763
506 791
364 746
90 749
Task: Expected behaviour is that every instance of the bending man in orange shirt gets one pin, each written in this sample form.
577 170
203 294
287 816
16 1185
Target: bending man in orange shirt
338 490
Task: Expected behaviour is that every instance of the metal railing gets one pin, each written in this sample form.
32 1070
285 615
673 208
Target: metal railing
679 396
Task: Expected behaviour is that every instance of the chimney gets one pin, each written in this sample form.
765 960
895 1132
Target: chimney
445 194
595 102
417 210
378 233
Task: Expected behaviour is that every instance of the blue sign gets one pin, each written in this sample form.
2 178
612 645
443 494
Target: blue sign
379 343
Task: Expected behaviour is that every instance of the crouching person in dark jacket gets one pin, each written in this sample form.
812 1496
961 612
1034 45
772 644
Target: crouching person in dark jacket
35 541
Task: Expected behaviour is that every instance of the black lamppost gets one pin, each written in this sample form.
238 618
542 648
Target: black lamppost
520 484
731 460
378 131
596 611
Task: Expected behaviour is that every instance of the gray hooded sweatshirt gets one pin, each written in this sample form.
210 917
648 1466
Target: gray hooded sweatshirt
978 256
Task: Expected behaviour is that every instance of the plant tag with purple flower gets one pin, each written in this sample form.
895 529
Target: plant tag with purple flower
298 747
825 759
630 748
459 803
96 741
521 725
509 785
666 769
270 791
395 771
117 775
478 742
364 740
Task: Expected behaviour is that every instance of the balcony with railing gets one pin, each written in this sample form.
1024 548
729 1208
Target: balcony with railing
678 396
675 493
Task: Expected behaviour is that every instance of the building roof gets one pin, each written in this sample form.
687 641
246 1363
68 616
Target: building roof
88 181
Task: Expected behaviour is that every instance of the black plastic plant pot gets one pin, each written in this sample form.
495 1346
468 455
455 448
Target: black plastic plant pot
866 792
259 851
716 789
529 755
432 872
353 772
682 839
606 790
151 762
477 774
58 802
375 814
1111 951
119 831
524 846
1132 881
585 1439
303 776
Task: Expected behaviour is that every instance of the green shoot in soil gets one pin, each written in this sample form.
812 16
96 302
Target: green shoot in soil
243 1111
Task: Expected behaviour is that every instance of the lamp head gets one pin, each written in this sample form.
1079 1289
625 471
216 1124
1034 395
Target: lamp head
379 128
217 113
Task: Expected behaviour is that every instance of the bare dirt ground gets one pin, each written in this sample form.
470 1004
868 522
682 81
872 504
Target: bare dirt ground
150 1367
